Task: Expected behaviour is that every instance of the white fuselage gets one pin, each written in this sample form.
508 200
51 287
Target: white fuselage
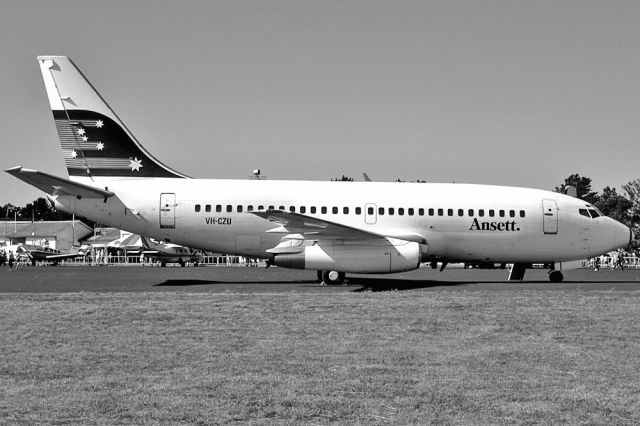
457 222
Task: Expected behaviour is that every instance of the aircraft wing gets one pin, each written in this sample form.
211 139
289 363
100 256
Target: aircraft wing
52 257
54 185
311 227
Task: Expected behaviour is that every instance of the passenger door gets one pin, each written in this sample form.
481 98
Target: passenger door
167 210
549 216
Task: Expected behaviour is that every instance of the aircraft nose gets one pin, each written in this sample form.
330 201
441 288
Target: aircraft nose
623 236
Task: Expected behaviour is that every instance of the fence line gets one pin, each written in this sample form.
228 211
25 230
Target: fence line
238 261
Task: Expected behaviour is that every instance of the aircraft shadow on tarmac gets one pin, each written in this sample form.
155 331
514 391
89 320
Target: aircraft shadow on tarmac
386 284
189 282
364 284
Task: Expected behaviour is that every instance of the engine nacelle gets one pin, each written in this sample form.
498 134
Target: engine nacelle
366 257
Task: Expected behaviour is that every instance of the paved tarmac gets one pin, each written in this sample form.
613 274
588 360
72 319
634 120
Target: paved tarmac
66 279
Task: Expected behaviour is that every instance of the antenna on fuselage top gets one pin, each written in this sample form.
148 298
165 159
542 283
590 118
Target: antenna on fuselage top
571 191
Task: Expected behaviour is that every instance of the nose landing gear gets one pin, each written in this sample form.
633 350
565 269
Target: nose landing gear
555 276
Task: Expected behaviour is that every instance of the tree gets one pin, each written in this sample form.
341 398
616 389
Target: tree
632 190
342 179
614 205
582 185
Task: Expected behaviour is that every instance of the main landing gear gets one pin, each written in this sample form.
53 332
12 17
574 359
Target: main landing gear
331 277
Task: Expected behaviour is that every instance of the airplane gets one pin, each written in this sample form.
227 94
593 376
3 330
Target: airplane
170 253
34 253
332 227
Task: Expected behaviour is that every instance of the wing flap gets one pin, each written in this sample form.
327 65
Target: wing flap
54 185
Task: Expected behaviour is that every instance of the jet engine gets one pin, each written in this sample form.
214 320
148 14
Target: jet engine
367 257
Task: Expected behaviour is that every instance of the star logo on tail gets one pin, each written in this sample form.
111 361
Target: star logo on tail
135 164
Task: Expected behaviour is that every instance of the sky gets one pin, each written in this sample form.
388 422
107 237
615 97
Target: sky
519 93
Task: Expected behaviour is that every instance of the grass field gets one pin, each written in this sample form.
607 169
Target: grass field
370 358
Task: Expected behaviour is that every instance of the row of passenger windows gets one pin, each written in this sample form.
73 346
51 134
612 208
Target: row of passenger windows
391 211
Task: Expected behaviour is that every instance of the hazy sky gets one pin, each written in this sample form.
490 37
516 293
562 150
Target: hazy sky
498 92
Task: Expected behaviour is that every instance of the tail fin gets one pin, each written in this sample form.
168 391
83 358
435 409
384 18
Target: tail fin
94 140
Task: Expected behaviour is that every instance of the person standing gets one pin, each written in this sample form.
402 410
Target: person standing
11 260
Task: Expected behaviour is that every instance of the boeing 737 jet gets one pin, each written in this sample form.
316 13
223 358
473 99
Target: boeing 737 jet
333 227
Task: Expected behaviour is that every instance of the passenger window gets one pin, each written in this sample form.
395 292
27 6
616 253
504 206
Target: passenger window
282 208
345 210
292 209
440 212
449 212
501 212
521 213
218 208
431 212
594 213
197 207
358 210
410 212
334 210
391 211
323 210
400 211
512 213
381 211
369 210
492 213
303 209
239 209
481 212
470 212
229 208
313 209
249 208
460 212
421 212
584 213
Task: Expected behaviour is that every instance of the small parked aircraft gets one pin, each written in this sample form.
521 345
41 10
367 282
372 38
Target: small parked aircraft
170 253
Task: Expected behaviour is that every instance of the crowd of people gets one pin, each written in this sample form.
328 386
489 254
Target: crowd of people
8 259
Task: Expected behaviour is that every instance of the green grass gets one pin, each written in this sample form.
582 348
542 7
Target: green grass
395 357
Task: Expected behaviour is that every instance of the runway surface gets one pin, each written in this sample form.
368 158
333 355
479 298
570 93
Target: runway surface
66 279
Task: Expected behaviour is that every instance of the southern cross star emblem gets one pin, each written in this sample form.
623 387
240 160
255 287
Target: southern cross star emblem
99 146
135 164
80 131
85 138
74 154
99 124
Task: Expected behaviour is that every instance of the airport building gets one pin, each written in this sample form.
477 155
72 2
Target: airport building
61 235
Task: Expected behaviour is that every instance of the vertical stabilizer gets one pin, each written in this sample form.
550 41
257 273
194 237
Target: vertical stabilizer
95 142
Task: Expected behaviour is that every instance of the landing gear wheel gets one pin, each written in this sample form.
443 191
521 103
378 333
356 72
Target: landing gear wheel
555 276
333 277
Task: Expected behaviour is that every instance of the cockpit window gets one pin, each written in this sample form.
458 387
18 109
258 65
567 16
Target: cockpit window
584 212
594 213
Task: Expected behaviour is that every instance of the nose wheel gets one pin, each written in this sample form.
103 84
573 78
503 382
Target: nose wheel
333 277
555 276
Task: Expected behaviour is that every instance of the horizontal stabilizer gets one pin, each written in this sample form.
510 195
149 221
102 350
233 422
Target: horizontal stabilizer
54 185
